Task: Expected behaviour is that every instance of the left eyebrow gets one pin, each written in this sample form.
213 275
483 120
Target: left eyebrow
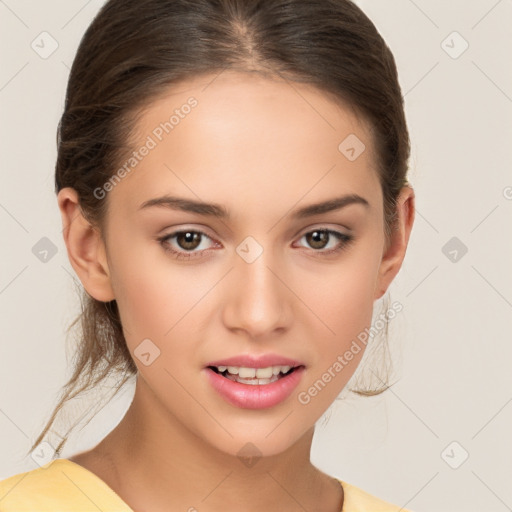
330 205
217 210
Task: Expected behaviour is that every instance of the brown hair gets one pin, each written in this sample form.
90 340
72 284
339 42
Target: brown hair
135 49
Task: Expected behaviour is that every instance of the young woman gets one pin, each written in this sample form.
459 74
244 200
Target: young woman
231 177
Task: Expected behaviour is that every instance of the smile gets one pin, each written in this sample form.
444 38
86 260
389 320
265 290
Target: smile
254 388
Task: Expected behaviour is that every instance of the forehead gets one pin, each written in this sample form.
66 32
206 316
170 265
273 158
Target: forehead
248 142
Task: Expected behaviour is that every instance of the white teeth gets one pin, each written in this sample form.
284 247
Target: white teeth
251 373
282 369
247 373
252 382
263 373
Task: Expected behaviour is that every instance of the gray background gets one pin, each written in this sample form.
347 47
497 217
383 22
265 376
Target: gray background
451 342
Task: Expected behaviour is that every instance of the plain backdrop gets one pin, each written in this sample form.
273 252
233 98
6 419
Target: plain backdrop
439 439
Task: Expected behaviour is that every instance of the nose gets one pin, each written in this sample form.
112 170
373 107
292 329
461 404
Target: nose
258 300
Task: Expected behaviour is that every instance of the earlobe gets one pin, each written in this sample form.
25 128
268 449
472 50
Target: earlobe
85 248
394 253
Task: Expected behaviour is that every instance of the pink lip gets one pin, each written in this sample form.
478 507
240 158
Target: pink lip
260 396
262 361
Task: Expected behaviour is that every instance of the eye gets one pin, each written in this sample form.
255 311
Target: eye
320 239
187 241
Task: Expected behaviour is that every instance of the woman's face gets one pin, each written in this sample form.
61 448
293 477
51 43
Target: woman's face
261 279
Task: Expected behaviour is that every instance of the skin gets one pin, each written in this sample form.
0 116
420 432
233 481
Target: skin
262 149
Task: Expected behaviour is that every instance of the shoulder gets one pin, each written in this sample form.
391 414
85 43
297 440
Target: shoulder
357 500
58 486
46 488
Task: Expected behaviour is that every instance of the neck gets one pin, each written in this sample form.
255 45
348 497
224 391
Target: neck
156 463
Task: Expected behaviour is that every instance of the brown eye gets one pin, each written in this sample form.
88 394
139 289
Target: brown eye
188 240
184 244
318 239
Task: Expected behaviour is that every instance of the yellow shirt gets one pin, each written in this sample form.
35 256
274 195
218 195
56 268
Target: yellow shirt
64 486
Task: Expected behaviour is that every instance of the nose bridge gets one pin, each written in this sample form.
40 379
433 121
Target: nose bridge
258 301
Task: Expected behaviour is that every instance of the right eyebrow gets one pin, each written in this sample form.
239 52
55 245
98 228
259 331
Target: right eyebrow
188 205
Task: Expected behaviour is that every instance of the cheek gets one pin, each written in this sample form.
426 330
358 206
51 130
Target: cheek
157 305
343 298
344 303
153 293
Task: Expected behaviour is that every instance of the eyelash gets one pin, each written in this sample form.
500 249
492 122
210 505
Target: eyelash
345 241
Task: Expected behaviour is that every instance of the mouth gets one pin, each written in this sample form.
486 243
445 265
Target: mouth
254 376
254 388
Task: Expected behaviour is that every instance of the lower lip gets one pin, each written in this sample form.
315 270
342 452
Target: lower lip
260 396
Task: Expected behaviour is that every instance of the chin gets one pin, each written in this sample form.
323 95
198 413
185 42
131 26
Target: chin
249 446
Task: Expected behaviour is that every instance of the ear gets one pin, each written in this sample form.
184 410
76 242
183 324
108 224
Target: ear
86 250
394 253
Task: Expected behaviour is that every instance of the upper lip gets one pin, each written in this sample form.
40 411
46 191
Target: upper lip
253 361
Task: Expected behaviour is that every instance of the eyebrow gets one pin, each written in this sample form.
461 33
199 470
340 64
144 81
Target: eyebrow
218 211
